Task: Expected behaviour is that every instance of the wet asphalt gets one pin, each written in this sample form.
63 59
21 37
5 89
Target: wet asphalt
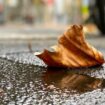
25 80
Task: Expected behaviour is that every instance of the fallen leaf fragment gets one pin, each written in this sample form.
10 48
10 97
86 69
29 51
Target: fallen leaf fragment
72 51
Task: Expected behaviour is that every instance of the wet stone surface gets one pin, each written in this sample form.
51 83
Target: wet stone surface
25 80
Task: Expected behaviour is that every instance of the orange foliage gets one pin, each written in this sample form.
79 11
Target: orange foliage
72 51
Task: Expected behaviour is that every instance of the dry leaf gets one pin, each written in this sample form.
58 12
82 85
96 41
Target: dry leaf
72 51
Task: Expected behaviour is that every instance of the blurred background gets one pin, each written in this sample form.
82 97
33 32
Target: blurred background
50 16
28 26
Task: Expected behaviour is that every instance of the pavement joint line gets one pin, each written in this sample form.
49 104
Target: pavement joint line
24 36
21 36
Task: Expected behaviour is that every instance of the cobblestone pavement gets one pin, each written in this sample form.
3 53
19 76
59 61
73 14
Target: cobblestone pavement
25 80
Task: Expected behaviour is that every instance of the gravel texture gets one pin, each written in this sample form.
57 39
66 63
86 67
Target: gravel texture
25 80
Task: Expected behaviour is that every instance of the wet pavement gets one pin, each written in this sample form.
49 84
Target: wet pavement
25 80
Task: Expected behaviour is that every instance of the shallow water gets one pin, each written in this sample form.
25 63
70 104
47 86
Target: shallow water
25 80
30 83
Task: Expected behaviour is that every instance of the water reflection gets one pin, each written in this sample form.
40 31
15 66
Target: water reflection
65 79
24 84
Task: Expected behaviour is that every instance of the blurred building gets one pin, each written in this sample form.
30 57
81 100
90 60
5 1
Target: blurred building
39 11
2 11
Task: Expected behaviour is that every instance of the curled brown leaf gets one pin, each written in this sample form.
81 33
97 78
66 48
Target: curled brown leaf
72 51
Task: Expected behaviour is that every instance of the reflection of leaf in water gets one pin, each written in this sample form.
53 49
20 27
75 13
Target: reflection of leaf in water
72 81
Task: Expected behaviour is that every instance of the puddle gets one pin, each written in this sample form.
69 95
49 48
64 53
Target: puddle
72 80
24 84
